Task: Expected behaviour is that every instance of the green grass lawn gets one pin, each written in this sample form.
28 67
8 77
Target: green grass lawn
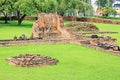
110 27
8 31
75 62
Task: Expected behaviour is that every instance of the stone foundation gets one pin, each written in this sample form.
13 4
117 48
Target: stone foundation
31 60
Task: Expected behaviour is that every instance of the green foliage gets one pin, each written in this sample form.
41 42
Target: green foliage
44 5
102 3
105 5
5 8
29 7
52 6
61 7
108 10
5 5
23 6
71 6
86 8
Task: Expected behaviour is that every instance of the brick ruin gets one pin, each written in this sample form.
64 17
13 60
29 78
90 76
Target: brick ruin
81 26
50 28
97 20
46 24
31 60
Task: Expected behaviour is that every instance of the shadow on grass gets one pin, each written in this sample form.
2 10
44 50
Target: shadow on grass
25 23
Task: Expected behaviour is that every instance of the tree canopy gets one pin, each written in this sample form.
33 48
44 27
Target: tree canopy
5 8
22 8
102 3
106 6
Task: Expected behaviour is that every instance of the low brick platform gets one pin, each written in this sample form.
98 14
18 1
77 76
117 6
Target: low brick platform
97 20
31 60
26 42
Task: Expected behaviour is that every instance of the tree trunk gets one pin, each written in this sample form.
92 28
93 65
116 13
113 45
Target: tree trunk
84 12
106 15
20 18
6 17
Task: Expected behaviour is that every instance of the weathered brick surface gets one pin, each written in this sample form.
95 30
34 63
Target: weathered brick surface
46 23
71 18
98 20
26 42
31 60
81 26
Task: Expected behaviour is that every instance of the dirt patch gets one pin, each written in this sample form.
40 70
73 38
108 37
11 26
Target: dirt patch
31 60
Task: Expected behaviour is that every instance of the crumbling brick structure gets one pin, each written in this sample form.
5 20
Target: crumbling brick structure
46 23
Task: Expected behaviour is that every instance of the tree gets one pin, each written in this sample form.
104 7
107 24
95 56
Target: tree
62 7
5 8
45 5
73 6
80 6
108 10
52 6
105 5
102 3
22 8
87 7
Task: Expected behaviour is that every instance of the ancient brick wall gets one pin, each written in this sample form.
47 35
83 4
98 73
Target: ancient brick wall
46 23
98 20
26 42
71 18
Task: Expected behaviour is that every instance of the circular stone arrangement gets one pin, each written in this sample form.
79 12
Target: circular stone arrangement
31 60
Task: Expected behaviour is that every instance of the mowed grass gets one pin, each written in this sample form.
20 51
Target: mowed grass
75 63
110 27
8 31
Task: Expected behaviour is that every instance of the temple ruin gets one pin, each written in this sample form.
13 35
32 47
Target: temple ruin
46 23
